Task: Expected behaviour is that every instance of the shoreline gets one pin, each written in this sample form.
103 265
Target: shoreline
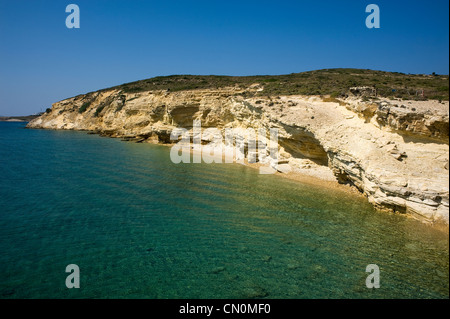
294 176
349 190
334 185
312 180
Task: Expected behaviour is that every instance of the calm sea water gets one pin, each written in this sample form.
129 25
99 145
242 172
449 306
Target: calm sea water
139 226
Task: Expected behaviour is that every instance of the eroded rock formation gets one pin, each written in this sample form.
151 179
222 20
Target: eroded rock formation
397 156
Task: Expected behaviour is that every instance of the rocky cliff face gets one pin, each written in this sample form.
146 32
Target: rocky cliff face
398 157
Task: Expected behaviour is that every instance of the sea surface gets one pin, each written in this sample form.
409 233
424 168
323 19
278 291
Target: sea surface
139 226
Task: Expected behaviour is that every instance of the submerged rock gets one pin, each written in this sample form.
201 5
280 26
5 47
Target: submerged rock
217 270
254 293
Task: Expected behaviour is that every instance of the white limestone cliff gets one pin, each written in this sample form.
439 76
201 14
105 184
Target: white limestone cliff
397 155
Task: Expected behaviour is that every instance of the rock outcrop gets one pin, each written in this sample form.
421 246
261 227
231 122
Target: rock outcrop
396 156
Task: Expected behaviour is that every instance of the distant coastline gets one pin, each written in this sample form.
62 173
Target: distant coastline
26 118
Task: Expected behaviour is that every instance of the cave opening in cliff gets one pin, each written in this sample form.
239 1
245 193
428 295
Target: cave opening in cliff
305 148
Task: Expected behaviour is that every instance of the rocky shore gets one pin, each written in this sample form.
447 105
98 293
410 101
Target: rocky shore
394 152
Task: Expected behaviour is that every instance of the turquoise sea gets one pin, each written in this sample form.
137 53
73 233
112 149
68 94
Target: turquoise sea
139 226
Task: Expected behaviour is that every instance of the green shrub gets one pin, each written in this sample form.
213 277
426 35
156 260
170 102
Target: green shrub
335 94
84 107
132 89
99 109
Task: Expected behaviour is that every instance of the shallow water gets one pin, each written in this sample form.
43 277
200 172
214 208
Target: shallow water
139 226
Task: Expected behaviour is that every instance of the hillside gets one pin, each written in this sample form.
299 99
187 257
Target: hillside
334 82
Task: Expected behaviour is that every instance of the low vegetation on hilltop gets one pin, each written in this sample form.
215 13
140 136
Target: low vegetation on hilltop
333 82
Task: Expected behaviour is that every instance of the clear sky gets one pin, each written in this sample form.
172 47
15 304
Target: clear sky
42 61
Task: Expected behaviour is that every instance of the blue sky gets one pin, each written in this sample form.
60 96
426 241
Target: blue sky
42 61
